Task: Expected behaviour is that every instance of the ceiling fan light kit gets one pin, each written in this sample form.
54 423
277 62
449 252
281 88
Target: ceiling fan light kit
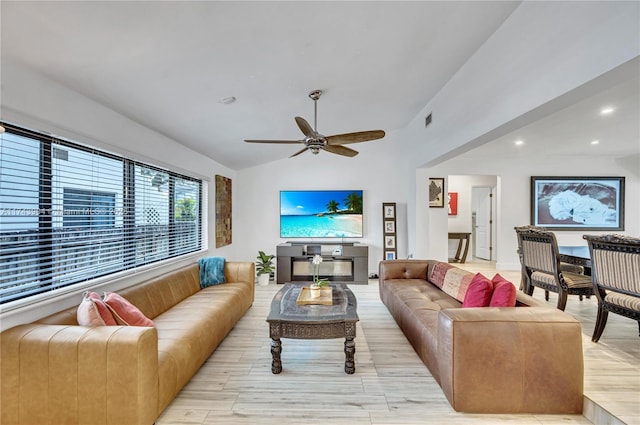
315 141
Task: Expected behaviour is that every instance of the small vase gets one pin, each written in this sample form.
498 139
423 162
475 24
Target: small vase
315 291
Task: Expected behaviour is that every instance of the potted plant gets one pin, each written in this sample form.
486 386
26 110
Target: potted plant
318 284
264 267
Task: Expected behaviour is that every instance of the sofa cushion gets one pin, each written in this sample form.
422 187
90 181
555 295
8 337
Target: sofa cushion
92 311
479 292
211 271
504 293
124 312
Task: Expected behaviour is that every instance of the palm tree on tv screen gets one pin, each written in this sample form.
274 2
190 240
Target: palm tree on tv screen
354 203
332 206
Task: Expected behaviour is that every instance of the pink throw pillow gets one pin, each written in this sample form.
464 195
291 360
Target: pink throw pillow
92 311
479 292
124 312
504 292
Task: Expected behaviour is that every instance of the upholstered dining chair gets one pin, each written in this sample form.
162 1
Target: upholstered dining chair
615 261
541 266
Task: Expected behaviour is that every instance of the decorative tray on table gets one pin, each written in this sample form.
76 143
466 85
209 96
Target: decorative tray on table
325 298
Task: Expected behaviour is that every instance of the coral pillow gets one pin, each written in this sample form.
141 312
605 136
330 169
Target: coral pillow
504 292
479 292
124 312
92 311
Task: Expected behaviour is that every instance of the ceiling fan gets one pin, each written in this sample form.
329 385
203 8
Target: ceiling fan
315 141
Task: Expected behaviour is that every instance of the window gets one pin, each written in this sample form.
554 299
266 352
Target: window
69 213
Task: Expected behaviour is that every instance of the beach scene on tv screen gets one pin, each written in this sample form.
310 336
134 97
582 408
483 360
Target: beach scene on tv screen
321 214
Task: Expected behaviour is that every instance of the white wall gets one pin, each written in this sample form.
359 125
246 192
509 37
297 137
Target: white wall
33 101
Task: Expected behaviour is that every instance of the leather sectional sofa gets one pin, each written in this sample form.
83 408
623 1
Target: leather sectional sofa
57 372
523 359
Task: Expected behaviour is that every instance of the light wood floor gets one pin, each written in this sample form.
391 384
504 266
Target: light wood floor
391 385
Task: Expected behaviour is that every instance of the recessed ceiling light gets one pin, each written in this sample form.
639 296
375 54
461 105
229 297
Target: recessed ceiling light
606 111
518 142
595 142
228 100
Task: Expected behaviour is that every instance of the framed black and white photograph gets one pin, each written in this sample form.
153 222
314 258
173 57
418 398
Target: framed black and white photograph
389 210
390 242
436 192
578 203
390 255
389 226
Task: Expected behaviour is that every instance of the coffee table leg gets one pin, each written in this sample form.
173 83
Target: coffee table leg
349 351
276 349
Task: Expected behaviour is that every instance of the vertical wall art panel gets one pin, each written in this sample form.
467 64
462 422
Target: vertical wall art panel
223 211
453 203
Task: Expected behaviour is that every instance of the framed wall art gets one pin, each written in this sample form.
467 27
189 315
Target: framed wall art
390 226
223 211
389 231
578 203
436 192
453 203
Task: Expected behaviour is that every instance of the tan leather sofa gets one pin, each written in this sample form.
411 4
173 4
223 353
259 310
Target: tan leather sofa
523 359
56 372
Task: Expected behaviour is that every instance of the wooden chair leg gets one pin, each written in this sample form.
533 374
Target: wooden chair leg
601 321
562 300
546 295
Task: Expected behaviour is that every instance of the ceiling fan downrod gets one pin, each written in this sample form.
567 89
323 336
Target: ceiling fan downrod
315 95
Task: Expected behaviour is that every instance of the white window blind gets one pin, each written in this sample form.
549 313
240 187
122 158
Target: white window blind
69 213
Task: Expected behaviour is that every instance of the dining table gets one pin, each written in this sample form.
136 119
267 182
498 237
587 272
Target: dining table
576 254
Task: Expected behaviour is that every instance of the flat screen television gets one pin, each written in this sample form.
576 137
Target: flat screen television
321 214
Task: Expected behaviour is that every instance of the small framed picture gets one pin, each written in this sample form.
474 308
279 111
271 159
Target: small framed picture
436 192
390 242
389 226
389 210
390 255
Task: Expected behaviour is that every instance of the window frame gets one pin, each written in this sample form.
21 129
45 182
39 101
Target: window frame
128 264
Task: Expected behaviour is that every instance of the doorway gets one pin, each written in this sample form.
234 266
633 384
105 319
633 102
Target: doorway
482 222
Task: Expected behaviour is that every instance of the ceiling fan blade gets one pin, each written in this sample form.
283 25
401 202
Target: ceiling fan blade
275 141
299 152
360 136
305 127
341 150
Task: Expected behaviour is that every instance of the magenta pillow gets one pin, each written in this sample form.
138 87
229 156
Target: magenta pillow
479 292
504 292
124 312
92 311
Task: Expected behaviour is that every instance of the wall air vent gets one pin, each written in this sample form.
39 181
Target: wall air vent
427 120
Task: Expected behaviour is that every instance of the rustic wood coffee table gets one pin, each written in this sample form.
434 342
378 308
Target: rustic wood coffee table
287 319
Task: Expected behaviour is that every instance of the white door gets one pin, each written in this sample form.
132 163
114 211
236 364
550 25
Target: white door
481 198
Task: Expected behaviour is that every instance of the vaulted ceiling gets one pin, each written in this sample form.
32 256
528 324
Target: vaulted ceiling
168 65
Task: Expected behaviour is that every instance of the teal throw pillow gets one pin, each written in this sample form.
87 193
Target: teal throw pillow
211 271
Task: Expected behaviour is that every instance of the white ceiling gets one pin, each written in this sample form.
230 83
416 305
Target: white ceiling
166 65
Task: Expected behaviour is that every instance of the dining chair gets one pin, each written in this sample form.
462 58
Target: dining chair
541 266
565 267
615 273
